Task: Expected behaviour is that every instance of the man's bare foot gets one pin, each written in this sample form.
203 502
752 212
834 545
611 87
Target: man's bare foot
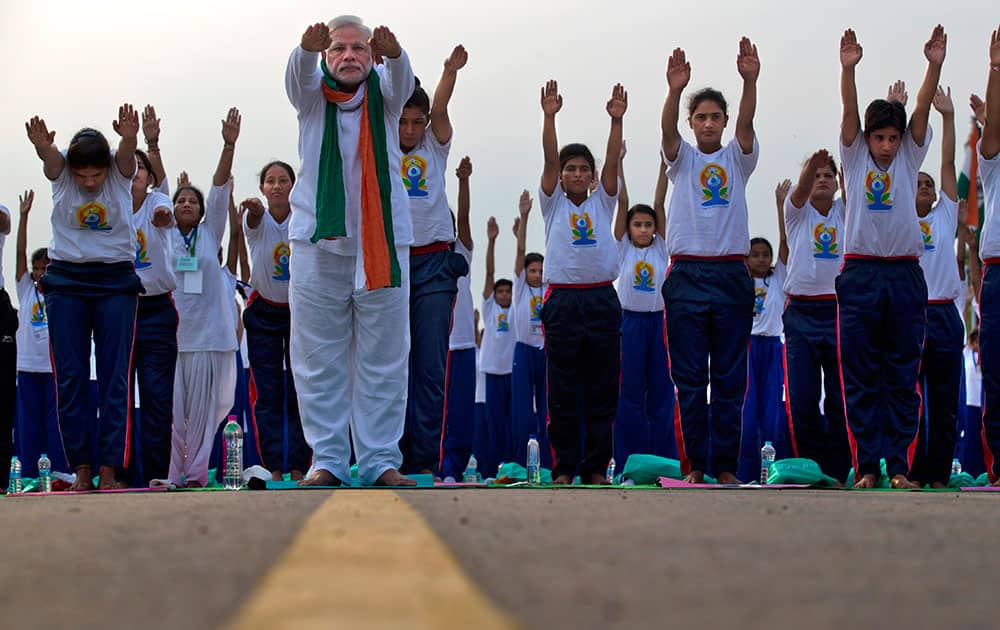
562 480
296 475
937 485
393 478
107 479
277 475
597 479
868 481
194 483
900 482
320 477
84 480
728 479
695 476
996 484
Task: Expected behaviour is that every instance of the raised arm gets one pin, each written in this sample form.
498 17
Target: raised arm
440 122
850 55
254 210
975 276
302 74
151 133
464 172
660 200
934 51
942 102
22 234
807 177
748 65
127 126
551 104
230 132
492 231
780 193
235 234
978 107
521 230
621 220
43 140
962 233
991 129
678 75
897 93
616 110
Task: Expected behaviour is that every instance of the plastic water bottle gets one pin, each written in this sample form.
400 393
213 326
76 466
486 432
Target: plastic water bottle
766 459
611 471
956 467
471 474
232 438
16 484
534 461
44 473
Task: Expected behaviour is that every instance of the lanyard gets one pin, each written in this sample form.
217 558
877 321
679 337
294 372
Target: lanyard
38 301
190 240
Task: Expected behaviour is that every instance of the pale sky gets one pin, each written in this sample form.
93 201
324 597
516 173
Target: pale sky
74 63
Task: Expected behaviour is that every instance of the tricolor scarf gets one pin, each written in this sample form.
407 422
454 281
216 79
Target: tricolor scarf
377 241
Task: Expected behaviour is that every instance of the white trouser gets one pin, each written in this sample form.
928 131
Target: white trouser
350 356
204 390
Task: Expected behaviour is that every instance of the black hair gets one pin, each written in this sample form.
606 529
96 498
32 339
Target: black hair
760 240
574 150
139 153
883 114
38 254
284 165
88 149
419 99
197 193
532 258
928 176
640 208
502 282
707 94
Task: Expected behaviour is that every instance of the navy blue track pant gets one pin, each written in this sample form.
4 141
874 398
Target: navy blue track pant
810 368
764 417
267 327
155 358
882 306
709 313
529 407
583 350
433 287
645 420
491 439
37 428
96 299
460 416
989 348
8 379
941 375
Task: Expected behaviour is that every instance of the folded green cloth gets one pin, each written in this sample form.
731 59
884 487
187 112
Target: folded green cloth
643 470
517 472
962 480
798 470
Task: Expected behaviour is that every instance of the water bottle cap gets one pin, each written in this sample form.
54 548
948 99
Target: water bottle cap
44 456
13 458
766 443
532 437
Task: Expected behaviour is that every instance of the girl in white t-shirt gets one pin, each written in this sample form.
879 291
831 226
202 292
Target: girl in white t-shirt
205 378
644 423
90 289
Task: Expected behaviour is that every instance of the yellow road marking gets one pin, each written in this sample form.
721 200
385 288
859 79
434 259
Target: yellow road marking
366 559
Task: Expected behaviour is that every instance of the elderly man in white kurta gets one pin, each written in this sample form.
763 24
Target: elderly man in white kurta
350 236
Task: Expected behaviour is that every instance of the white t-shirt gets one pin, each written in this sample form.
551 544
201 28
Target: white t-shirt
92 227
463 322
769 303
973 379
526 312
303 80
423 171
32 329
3 238
269 256
498 339
937 231
880 204
480 381
707 215
814 248
207 321
989 170
152 246
579 242
641 272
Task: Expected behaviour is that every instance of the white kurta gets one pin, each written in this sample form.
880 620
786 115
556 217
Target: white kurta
204 390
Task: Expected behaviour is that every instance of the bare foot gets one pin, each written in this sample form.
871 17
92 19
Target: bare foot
996 484
900 482
937 485
597 479
194 483
84 480
562 480
695 476
107 479
728 479
868 481
277 475
296 475
393 477
321 477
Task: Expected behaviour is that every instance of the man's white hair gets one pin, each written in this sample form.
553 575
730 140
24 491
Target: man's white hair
349 20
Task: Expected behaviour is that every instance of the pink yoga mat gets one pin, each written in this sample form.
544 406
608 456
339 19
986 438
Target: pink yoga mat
67 493
667 482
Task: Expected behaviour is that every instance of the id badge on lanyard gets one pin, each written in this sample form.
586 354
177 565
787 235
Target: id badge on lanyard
188 265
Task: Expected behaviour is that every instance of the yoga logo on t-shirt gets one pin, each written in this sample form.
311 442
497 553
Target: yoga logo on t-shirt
583 230
536 308
280 256
878 190
643 280
502 325
38 314
759 295
714 186
93 216
825 242
141 259
414 170
925 231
